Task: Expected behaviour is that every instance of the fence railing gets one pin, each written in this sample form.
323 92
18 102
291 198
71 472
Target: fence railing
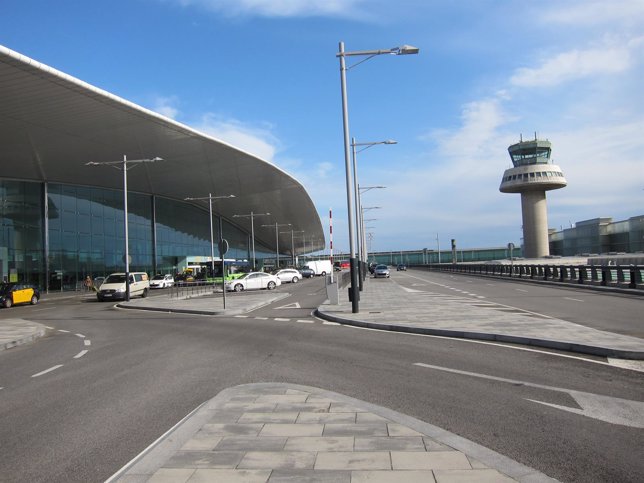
189 289
623 276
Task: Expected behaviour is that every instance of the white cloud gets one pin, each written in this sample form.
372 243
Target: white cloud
257 140
166 106
573 65
591 13
279 8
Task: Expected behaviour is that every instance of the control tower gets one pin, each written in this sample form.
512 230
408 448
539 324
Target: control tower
532 175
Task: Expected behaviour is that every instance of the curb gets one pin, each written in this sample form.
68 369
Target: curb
546 343
23 340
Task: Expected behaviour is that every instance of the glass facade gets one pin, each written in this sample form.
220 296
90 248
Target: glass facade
600 235
54 235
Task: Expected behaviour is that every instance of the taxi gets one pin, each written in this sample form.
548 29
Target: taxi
18 293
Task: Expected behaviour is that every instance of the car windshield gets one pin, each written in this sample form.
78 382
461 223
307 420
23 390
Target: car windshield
381 267
6 288
243 276
158 277
116 278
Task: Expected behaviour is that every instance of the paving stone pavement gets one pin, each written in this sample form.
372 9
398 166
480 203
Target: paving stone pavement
386 304
14 332
281 433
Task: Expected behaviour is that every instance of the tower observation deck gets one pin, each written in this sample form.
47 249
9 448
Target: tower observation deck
532 175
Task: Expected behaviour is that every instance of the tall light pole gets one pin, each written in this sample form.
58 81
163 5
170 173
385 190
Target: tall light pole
356 190
277 242
292 243
210 197
123 166
252 215
402 50
362 240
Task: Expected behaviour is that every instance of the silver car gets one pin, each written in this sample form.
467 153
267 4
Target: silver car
288 275
381 271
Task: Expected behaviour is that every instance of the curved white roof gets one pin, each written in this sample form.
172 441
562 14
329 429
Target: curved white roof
51 124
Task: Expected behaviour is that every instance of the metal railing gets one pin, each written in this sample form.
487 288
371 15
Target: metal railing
619 276
190 289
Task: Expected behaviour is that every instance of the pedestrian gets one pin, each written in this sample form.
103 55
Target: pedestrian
88 283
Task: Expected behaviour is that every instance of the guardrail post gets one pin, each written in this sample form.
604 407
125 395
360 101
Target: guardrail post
636 277
583 275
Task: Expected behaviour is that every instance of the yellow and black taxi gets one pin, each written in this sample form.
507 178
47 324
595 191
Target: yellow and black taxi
18 293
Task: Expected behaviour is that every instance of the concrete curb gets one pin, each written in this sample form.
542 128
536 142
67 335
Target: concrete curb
24 340
546 343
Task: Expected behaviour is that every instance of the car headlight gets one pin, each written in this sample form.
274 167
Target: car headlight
121 289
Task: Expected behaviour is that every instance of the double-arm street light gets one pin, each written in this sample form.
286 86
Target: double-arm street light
277 242
252 215
210 197
292 243
403 50
356 190
123 166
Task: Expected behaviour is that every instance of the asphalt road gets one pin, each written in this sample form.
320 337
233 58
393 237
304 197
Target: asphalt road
143 372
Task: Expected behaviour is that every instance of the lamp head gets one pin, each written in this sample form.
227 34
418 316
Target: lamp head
405 50
391 141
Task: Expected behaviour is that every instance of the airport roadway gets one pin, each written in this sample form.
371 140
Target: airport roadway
104 383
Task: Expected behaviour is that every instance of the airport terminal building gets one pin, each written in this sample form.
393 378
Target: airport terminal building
63 219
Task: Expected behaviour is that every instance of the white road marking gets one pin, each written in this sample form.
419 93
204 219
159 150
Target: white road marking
241 316
65 331
81 354
521 290
294 305
326 322
87 342
613 410
409 289
282 320
305 321
47 370
261 318
80 335
631 365
574 300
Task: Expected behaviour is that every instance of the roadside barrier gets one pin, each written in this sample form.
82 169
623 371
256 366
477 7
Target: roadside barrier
189 289
618 276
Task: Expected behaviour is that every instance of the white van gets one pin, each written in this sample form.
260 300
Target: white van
113 288
320 267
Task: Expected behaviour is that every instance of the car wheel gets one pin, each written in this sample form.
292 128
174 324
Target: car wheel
271 285
239 287
34 300
145 293
7 303
295 280
323 274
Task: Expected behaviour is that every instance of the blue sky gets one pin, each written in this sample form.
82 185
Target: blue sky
263 75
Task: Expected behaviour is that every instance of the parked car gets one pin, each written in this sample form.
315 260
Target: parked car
253 281
381 271
401 267
18 293
162 281
287 275
113 288
372 267
306 272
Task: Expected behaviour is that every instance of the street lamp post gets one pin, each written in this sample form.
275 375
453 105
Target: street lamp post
123 166
252 215
210 197
277 242
362 243
356 190
403 50
364 237
292 243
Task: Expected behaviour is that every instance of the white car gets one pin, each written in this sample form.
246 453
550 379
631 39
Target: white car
162 281
253 281
287 275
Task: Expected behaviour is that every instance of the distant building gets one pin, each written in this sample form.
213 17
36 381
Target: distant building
532 175
599 235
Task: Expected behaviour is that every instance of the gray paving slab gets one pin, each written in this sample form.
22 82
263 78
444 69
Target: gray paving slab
15 332
282 451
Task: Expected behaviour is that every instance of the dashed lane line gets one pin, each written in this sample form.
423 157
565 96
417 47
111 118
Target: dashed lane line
64 331
574 300
80 335
305 321
87 342
281 319
81 354
47 370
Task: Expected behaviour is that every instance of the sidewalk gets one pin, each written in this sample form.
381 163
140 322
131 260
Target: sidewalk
279 433
384 304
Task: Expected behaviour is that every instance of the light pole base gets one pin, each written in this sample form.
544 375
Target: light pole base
354 292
